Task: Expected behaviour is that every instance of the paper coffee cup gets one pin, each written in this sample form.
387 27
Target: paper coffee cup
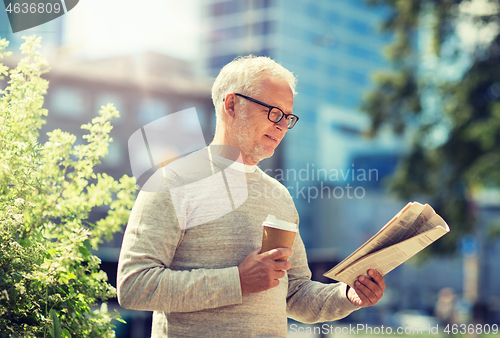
277 234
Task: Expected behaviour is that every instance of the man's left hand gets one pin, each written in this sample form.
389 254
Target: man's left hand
367 291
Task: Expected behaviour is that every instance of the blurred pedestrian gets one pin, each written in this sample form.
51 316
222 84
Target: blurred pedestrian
444 309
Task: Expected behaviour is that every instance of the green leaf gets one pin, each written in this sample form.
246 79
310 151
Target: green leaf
54 187
87 245
85 248
452 118
55 330
118 318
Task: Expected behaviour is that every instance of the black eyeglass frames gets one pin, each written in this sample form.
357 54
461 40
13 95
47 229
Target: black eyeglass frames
275 114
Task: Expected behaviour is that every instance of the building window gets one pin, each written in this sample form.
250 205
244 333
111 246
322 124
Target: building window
377 168
229 33
364 53
291 30
360 27
115 155
333 17
291 59
218 62
69 101
309 89
358 78
263 3
263 28
308 116
351 100
226 7
332 96
102 99
313 10
346 129
332 70
311 63
151 109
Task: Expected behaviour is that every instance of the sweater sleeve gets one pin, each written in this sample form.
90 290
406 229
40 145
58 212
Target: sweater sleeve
313 302
145 281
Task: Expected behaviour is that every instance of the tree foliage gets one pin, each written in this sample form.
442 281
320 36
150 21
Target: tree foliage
445 92
49 279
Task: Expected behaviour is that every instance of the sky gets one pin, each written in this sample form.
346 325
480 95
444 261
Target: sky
97 28
104 28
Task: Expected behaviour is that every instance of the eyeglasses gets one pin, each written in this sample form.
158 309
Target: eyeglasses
275 114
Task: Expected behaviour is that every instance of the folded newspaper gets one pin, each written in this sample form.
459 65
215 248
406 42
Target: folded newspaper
411 230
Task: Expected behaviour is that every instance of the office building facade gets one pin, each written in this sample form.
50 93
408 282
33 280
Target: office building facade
332 47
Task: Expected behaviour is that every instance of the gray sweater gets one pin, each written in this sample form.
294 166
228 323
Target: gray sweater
182 247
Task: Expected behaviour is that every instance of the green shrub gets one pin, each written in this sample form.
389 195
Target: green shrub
49 279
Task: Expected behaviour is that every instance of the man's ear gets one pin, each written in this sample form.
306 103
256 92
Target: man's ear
229 103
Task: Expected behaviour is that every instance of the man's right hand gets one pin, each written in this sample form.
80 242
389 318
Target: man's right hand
261 271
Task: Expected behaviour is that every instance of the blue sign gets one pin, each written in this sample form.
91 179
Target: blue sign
468 245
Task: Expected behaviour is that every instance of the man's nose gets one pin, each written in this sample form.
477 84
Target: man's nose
282 125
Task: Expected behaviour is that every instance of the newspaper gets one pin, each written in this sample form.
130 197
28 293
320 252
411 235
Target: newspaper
411 230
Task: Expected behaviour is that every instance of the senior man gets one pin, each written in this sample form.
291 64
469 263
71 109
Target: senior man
198 266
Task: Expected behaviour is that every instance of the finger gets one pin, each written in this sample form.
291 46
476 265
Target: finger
369 288
378 278
362 300
282 265
279 274
274 254
274 283
374 287
364 294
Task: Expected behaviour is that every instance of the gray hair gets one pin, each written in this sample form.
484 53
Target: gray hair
241 76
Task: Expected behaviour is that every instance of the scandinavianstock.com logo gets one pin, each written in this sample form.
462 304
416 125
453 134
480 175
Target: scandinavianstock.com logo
25 14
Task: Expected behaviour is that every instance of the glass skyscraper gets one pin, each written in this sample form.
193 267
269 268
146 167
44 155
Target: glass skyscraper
332 46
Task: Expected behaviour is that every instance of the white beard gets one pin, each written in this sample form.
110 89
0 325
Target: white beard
248 147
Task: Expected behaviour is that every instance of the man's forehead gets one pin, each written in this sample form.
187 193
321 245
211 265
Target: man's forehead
270 80
276 91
